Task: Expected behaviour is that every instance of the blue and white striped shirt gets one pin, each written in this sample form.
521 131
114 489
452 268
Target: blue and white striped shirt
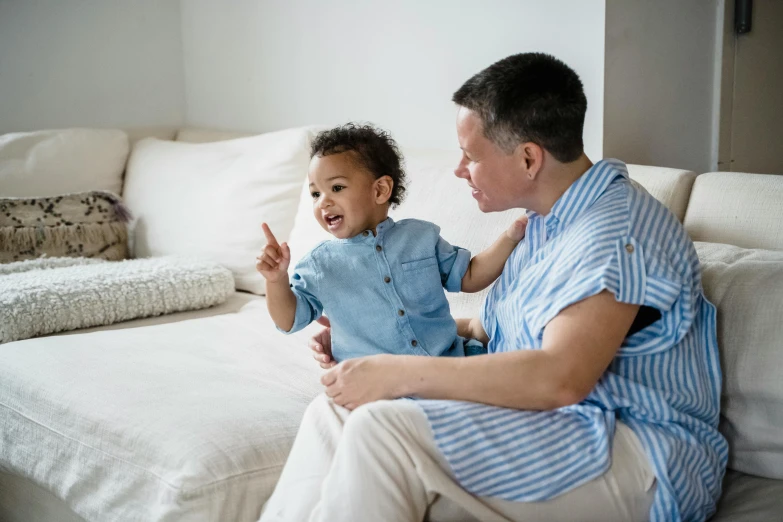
604 233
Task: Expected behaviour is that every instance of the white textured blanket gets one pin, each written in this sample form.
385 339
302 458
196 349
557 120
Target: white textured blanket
44 296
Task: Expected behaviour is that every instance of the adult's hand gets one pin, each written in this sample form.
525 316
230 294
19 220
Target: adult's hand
321 345
365 379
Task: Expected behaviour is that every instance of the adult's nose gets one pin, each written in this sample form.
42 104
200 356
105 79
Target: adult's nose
461 171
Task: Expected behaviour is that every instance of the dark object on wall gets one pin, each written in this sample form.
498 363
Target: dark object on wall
743 15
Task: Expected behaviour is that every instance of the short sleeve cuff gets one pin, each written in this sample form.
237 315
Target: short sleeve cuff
454 282
304 315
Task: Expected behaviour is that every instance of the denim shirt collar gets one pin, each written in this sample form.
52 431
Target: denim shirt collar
367 235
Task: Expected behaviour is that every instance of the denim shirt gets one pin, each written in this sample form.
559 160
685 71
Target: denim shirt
383 293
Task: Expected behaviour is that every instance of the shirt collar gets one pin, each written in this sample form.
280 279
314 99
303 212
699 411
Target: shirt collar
585 190
366 236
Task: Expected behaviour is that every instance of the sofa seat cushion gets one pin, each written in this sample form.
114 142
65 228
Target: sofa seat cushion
746 287
747 498
189 421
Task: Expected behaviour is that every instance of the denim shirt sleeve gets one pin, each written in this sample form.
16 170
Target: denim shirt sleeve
304 284
453 263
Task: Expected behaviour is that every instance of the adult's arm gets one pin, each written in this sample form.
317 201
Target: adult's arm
577 347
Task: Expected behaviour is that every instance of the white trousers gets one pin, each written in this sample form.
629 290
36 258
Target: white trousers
380 463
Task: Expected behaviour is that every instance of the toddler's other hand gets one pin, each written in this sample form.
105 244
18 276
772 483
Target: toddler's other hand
321 345
273 263
516 232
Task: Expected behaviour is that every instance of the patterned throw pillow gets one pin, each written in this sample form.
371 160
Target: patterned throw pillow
87 224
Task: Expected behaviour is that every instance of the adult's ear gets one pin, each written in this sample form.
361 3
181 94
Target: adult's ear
383 189
531 158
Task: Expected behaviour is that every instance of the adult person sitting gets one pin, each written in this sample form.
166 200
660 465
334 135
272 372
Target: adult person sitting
599 397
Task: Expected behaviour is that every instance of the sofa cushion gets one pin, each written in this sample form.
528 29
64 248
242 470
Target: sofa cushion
210 199
747 288
672 187
746 498
190 420
737 209
198 135
54 162
87 224
39 296
139 133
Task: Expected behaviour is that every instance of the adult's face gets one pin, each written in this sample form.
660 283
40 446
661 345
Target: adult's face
497 179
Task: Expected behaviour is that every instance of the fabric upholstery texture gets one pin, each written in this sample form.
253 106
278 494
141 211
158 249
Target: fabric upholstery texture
737 209
749 499
672 187
139 133
90 224
186 420
197 135
746 286
55 162
50 297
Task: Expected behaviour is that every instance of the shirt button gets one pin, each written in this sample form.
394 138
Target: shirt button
378 248
400 312
414 343
365 233
387 279
629 248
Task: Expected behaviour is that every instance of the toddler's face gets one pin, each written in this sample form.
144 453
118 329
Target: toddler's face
344 195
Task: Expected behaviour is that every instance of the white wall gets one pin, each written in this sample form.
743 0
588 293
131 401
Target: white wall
660 83
103 63
261 65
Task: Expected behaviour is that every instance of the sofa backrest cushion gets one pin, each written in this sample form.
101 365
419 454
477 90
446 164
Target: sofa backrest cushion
210 199
738 209
746 287
199 135
672 187
55 162
139 133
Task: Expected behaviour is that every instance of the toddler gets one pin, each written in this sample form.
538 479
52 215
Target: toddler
379 282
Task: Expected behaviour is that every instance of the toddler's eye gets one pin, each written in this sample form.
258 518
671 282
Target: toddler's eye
315 195
337 188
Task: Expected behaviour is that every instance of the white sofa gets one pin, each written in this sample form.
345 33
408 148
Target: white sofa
189 417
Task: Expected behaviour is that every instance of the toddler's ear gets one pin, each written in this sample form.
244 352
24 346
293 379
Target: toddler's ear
383 189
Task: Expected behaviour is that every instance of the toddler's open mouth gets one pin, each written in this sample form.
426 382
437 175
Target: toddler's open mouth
333 221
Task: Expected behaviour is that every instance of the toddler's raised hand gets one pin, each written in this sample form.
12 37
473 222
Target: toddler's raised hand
516 231
274 261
